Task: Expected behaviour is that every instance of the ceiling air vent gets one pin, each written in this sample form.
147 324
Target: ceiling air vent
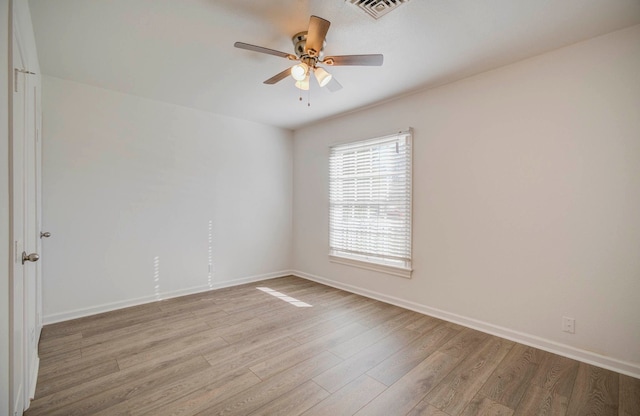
377 8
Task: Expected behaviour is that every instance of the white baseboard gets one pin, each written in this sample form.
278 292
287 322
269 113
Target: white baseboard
623 367
106 307
33 379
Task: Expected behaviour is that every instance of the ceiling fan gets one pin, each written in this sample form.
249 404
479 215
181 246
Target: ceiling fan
309 47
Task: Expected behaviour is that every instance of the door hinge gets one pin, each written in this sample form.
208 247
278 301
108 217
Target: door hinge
15 76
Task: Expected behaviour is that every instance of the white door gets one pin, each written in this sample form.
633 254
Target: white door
31 238
17 373
38 208
25 231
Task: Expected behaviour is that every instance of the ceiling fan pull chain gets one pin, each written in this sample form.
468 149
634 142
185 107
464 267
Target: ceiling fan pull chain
309 96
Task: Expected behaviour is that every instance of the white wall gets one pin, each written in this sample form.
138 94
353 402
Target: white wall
526 200
4 207
131 187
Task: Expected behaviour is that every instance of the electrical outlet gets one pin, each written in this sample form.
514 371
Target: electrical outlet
568 325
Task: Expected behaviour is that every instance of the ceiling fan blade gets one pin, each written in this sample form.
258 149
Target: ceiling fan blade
261 49
361 60
334 85
318 28
278 77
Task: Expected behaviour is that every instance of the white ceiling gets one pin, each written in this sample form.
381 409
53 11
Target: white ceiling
181 51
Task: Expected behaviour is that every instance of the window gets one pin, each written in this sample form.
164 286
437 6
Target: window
370 203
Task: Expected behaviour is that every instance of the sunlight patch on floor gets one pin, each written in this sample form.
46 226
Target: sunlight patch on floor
282 296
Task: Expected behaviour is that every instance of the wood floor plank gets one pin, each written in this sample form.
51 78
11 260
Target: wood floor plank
353 367
378 332
629 403
56 352
460 386
260 303
103 320
55 363
264 392
349 399
339 336
425 409
75 378
114 396
400 363
288 314
224 319
508 384
237 332
95 335
483 406
141 341
292 328
198 400
65 367
424 324
295 402
550 387
245 355
539 401
325 326
556 373
317 298
154 401
212 313
464 343
384 312
404 394
67 397
191 304
204 341
274 365
595 392
49 345
125 321
241 351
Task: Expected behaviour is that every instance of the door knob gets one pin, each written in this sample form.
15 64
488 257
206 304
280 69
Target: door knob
45 235
29 257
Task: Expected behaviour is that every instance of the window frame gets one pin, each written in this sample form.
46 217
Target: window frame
371 261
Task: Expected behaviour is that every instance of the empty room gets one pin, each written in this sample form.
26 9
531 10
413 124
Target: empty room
305 207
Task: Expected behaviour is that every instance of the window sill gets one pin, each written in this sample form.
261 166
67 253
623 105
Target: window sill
396 271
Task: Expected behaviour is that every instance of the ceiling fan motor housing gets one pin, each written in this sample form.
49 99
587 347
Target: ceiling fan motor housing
299 43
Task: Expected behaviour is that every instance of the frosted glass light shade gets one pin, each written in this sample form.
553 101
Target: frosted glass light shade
299 71
322 76
303 84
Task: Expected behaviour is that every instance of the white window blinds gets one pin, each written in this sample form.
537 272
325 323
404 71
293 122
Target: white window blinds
370 200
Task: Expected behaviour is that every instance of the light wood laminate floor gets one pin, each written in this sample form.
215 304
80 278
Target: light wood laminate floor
243 351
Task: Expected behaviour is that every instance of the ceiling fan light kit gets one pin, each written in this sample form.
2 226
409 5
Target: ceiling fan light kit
309 48
299 71
303 84
322 76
